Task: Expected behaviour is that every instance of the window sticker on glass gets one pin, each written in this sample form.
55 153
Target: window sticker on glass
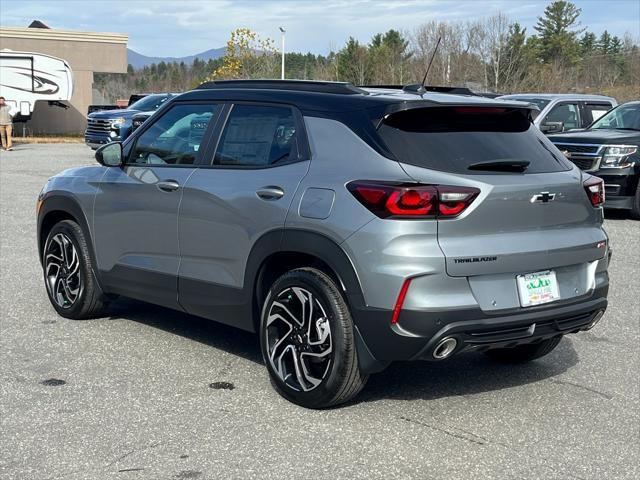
257 135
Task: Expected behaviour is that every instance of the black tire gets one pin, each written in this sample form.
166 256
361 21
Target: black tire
635 206
340 377
524 353
89 302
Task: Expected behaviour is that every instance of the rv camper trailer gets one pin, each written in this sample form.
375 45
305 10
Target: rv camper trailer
26 78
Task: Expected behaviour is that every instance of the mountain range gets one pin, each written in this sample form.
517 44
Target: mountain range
137 60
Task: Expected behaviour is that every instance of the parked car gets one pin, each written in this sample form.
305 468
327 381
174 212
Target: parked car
609 149
115 125
351 228
566 111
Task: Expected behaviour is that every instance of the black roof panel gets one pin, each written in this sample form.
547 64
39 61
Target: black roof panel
324 98
341 88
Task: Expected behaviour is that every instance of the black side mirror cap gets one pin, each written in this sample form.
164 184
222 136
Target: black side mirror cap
552 127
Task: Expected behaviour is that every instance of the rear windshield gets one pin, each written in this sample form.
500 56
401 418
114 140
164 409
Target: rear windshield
450 139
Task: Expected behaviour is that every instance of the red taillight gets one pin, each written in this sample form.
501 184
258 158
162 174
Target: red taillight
400 301
412 201
594 187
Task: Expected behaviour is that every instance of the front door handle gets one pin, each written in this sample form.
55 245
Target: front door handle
168 185
270 193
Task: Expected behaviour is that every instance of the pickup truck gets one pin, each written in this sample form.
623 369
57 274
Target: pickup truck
132 99
115 125
561 112
608 148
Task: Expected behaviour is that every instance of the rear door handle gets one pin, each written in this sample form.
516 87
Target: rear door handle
168 185
270 193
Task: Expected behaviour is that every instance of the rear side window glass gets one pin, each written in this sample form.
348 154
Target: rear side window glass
450 139
594 111
566 113
258 136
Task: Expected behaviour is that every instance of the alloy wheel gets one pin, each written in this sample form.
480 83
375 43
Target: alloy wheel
298 338
62 270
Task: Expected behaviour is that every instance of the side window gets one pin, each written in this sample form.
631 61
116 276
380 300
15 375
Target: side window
566 113
175 138
258 136
593 111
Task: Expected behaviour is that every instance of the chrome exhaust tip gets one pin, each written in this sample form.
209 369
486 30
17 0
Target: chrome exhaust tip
596 318
444 348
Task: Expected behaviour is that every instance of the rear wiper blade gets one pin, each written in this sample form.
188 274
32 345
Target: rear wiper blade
501 165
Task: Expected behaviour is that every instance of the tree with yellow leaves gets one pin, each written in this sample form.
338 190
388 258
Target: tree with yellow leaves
247 56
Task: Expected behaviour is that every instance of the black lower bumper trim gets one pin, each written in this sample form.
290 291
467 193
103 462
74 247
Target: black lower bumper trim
419 332
469 338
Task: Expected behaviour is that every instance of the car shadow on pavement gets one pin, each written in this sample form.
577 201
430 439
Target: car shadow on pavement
466 374
214 334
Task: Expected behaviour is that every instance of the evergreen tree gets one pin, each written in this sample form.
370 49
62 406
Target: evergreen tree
588 43
604 43
354 63
557 32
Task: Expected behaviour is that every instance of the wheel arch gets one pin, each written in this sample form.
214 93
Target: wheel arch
58 207
277 252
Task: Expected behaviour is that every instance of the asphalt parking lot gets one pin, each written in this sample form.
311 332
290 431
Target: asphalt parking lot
137 401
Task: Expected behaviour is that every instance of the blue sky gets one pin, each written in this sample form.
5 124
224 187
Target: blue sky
183 27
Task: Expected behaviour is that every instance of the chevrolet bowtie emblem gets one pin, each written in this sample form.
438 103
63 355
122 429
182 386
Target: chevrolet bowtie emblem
543 197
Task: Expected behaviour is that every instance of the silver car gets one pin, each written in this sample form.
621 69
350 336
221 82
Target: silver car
561 112
349 227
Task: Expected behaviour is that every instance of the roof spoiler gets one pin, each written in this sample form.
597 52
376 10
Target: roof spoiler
395 108
419 89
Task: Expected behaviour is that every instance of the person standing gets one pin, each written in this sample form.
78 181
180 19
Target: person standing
7 113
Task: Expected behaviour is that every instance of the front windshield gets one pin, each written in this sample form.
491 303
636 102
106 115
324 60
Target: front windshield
149 103
626 117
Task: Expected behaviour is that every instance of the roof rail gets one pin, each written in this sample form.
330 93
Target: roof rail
341 88
419 89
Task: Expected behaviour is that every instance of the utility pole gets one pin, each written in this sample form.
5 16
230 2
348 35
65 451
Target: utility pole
282 32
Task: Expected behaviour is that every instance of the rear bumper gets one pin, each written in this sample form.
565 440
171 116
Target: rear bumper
418 333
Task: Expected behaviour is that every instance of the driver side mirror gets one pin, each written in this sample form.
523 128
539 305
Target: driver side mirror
110 155
552 127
